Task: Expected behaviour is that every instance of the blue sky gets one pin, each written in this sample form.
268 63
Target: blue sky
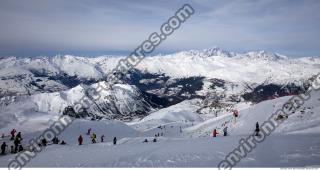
95 27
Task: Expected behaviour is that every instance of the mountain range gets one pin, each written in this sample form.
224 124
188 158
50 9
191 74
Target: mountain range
220 79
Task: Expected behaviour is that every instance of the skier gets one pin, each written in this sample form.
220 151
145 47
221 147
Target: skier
235 115
16 143
180 129
225 131
145 141
94 137
12 149
13 131
80 140
44 142
3 148
155 140
161 133
20 148
89 131
102 138
19 135
115 140
55 140
257 129
2 135
215 133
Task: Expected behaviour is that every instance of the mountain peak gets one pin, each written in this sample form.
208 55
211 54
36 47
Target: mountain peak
265 55
209 52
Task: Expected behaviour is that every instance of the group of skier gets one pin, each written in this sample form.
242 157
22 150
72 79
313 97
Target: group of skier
235 116
225 131
93 137
54 140
16 147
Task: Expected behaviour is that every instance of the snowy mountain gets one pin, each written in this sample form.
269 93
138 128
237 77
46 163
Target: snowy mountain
49 74
177 99
218 77
123 102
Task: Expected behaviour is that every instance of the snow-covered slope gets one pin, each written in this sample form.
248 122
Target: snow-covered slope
180 113
295 143
123 102
304 120
286 151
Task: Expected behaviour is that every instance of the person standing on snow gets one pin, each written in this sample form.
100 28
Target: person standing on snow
102 138
225 131
3 148
235 115
80 140
115 140
16 143
89 131
55 140
44 142
257 129
20 148
13 131
215 133
19 135
12 149
94 137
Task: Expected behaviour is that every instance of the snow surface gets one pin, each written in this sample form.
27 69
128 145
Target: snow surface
294 143
276 151
182 112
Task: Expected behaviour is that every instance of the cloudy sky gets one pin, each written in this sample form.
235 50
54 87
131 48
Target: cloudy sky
94 27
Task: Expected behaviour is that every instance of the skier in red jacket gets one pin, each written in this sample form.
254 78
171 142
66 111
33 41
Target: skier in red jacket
13 134
215 133
235 116
235 113
80 140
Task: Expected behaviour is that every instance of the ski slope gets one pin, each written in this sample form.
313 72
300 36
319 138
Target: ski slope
305 119
294 143
276 151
